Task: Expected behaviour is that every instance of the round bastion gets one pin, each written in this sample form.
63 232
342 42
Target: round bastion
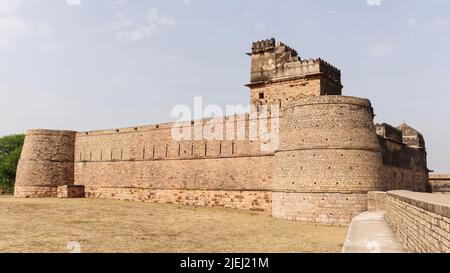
46 162
329 158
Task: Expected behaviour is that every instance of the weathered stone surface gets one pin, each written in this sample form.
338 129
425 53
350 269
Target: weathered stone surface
329 158
405 162
278 75
376 201
46 162
70 191
329 208
259 201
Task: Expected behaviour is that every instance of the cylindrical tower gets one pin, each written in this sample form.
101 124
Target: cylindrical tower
46 162
329 158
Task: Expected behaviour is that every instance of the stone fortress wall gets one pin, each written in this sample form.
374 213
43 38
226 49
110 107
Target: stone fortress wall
331 154
145 163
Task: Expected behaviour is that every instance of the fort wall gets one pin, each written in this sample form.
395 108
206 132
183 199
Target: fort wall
147 164
405 165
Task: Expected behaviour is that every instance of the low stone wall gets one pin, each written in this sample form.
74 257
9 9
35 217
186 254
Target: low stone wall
420 220
260 201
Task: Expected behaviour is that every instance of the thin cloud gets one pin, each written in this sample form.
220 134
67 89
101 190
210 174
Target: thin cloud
9 6
115 4
259 26
438 24
127 30
247 15
380 50
374 2
14 29
254 23
412 22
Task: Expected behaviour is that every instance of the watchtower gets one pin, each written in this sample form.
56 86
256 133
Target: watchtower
278 75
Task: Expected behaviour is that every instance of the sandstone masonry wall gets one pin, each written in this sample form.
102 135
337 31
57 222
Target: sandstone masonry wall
376 201
46 162
278 74
329 158
420 220
146 163
405 166
440 183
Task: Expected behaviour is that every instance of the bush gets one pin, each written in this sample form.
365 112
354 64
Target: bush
10 149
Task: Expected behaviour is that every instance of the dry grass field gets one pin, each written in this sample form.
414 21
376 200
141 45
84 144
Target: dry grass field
47 225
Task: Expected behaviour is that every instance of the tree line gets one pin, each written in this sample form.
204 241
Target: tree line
10 150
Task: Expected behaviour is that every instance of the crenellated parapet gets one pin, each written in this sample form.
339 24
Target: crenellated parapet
263 46
273 61
389 132
278 72
404 157
329 70
411 136
403 134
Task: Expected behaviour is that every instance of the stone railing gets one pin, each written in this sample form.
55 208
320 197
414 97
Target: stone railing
420 220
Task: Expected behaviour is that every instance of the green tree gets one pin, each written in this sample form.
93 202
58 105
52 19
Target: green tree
10 150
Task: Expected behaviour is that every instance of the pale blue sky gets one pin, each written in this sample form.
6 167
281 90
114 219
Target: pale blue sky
117 63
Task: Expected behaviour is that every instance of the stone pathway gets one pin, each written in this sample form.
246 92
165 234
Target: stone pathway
370 233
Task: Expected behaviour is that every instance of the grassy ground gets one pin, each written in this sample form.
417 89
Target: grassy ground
47 225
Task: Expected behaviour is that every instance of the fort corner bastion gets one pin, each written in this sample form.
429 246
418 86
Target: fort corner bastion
330 153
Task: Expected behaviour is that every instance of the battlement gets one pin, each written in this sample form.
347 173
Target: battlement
389 132
403 134
331 71
279 73
411 136
270 45
263 46
273 61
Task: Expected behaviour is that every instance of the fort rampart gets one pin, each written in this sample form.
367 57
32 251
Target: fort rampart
145 163
330 153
